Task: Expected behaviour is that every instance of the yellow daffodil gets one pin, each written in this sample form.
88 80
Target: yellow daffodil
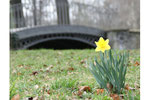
102 45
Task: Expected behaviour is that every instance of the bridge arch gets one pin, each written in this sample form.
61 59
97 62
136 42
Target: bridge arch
29 37
59 38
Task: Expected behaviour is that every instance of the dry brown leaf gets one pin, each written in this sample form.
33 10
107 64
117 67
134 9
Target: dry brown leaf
34 73
48 92
127 87
98 91
30 98
16 97
27 67
14 71
132 88
121 96
115 96
41 70
20 66
48 68
79 93
62 70
45 65
136 63
70 69
136 86
18 73
129 63
36 98
84 88
82 61
51 66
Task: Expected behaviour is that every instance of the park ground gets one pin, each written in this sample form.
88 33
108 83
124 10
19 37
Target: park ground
60 75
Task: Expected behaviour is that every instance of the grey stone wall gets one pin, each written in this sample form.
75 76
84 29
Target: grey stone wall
106 14
124 39
109 15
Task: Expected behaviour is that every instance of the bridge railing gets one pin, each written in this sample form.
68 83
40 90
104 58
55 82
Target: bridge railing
28 15
32 14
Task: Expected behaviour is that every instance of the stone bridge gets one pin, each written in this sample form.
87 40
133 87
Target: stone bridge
33 22
29 37
28 29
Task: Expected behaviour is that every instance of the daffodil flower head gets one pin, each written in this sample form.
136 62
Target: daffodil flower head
102 45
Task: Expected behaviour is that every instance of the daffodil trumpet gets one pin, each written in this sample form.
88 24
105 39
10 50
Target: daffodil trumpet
102 45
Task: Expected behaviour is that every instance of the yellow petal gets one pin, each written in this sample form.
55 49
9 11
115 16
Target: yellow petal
107 41
108 47
101 39
103 50
97 49
96 43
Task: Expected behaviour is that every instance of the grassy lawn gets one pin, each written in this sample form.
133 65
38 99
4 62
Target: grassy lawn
58 75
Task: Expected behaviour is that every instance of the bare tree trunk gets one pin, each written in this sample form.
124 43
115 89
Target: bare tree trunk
40 11
17 13
34 12
62 12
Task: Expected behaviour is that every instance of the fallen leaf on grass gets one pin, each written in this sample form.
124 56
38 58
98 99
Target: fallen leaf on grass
70 69
14 71
18 73
132 89
16 97
62 70
45 65
115 96
136 86
84 88
36 98
82 61
127 87
34 73
51 66
98 91
48 68
80 93
27 67
48 92
121 96
30 98
136 63
41 70
20 66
